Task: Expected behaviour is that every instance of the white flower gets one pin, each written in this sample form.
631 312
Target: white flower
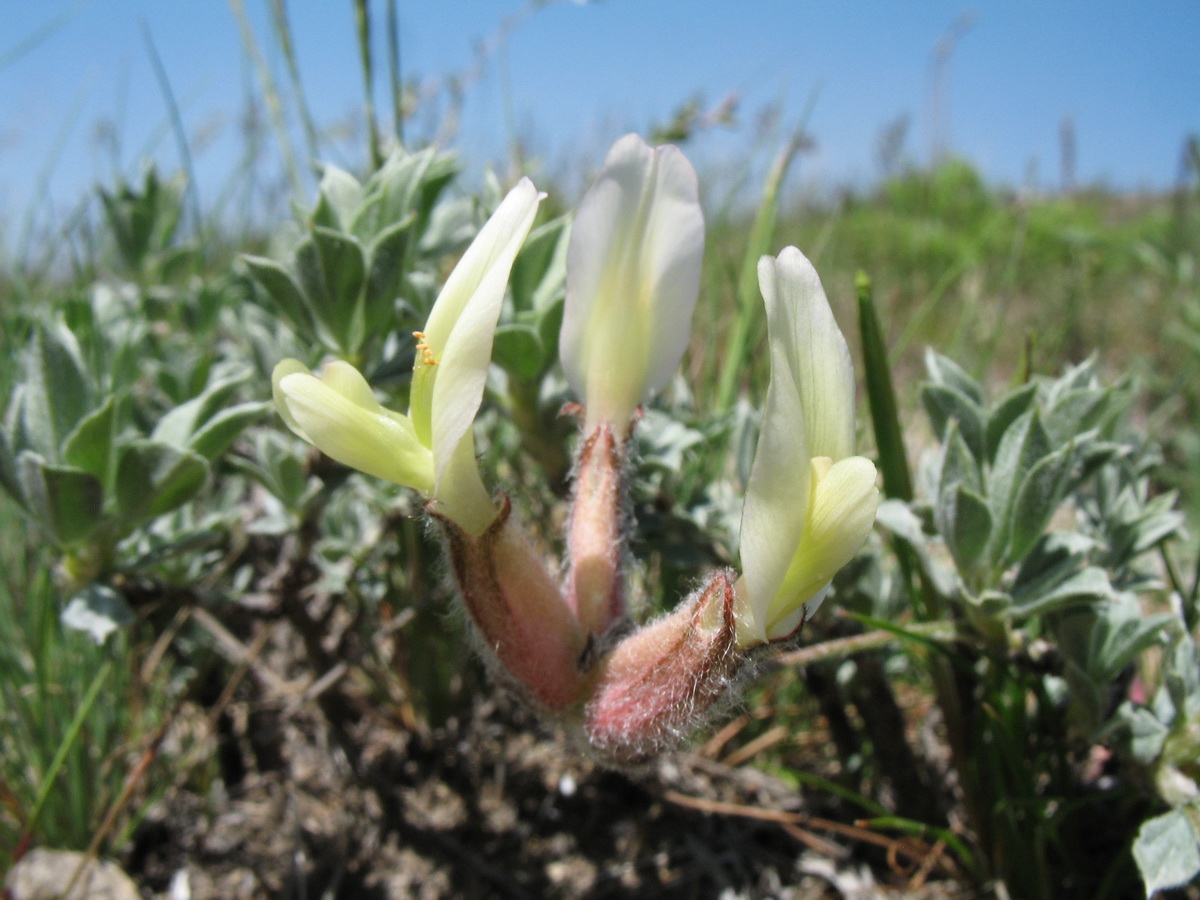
431 449
809 503
633 275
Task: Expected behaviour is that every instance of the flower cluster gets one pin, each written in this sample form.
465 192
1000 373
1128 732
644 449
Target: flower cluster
633 276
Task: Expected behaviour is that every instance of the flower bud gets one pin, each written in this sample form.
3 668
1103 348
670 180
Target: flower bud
595 543
660 682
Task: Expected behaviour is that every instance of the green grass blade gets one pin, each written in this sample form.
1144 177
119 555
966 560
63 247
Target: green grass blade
270 96
881 395
840 791
185 152
40 35
394 71
283 34
68 741
362 23
921 830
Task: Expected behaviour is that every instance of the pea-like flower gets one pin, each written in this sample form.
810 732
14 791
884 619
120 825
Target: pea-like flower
633 275
432 448
810 503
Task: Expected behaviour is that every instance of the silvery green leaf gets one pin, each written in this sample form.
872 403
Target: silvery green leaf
944 371
97 610
370 218
898 518
8 470
391 193
1004 413
1061 589
1106 636
180 541
1146 732
664 442
214 436
518 349
283 289
68 502
57 389
539 273
89 446
443 168
1167 849
153 478
177 262
273 462
450 225
1183 676
1131 526
992 604
291 479
1053 551
959 466
14 421
1074 412
1174 779
946 405
181 424
340 195
387 266
965 522
343 268
1160 521
1076 378
549 325
1038 497
331 270
1023 445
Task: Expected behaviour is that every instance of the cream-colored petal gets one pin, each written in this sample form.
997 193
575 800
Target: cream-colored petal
350 383
462 324
841 514
777 494
633 275
809 412
282 369
376 442
800 318
461 495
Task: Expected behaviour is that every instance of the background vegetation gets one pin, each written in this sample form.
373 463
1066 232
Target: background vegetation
170 550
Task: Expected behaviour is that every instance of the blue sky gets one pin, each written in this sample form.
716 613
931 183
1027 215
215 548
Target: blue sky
572 77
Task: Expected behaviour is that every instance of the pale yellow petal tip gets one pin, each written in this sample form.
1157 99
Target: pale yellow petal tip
841 514
845 498
350 383
282 370
373 442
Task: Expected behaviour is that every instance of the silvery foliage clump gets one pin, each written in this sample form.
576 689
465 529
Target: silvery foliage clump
116 421
363 259
1037 528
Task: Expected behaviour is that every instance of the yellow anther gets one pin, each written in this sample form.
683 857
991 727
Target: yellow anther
427 356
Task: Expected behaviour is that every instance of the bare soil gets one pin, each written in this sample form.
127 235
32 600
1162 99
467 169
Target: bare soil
493 805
